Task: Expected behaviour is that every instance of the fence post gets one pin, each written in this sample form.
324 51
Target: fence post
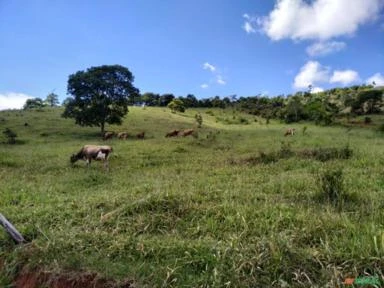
11 230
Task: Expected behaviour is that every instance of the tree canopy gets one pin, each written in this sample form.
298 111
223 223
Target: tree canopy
176 105
100 95
52 100
33 103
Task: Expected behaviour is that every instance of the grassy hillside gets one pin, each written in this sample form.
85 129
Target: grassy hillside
238 206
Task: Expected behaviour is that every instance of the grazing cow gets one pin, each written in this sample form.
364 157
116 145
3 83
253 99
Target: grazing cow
290 131
140 135
186 132
108 135
122 135
172 133
93 152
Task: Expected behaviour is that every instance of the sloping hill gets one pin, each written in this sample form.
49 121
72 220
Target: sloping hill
240 205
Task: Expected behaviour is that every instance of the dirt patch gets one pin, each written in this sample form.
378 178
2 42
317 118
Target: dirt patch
38 279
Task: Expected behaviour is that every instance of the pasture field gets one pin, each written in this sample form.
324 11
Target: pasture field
240 205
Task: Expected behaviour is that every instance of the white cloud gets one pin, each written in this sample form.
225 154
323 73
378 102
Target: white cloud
324 48
248 27
220 80
216 75
310 74
249 24
13 100
377 78
318 19
208 66
316 90
344 77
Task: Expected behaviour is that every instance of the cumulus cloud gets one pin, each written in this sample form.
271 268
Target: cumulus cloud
344 77
318 19
377 78
208 66
310 74
204 86
13 100
324 48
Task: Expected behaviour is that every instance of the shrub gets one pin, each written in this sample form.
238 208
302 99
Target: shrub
331 185
10 135
367 120
243 120
199 119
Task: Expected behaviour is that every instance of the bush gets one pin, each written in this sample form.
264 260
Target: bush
10 135
243 120
332 187
199 119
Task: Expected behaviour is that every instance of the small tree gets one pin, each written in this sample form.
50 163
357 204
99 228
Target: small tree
10 135
176 105
199 119
52 100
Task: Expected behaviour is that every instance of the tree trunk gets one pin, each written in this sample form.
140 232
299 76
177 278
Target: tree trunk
102 128
11 230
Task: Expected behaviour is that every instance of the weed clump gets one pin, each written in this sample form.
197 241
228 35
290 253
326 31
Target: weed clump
286 150
332 189
331 183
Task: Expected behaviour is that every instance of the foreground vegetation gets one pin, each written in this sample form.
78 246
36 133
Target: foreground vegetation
238 205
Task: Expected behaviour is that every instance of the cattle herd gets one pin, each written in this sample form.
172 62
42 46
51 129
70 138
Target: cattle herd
102 152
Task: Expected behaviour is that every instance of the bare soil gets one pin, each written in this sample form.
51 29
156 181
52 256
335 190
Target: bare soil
38 279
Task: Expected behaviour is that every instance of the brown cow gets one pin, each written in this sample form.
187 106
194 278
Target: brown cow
172 133
108 135
186 132
122 135
93 152
290 131
140 135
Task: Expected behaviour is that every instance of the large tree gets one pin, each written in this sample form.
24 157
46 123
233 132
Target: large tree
100 95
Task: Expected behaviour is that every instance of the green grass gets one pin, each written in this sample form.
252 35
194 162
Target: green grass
190 212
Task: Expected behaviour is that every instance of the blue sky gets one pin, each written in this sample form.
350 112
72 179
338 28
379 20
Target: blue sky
200 47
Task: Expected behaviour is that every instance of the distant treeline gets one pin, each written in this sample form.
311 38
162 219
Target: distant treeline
321 107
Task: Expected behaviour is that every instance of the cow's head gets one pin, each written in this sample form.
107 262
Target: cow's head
73 158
